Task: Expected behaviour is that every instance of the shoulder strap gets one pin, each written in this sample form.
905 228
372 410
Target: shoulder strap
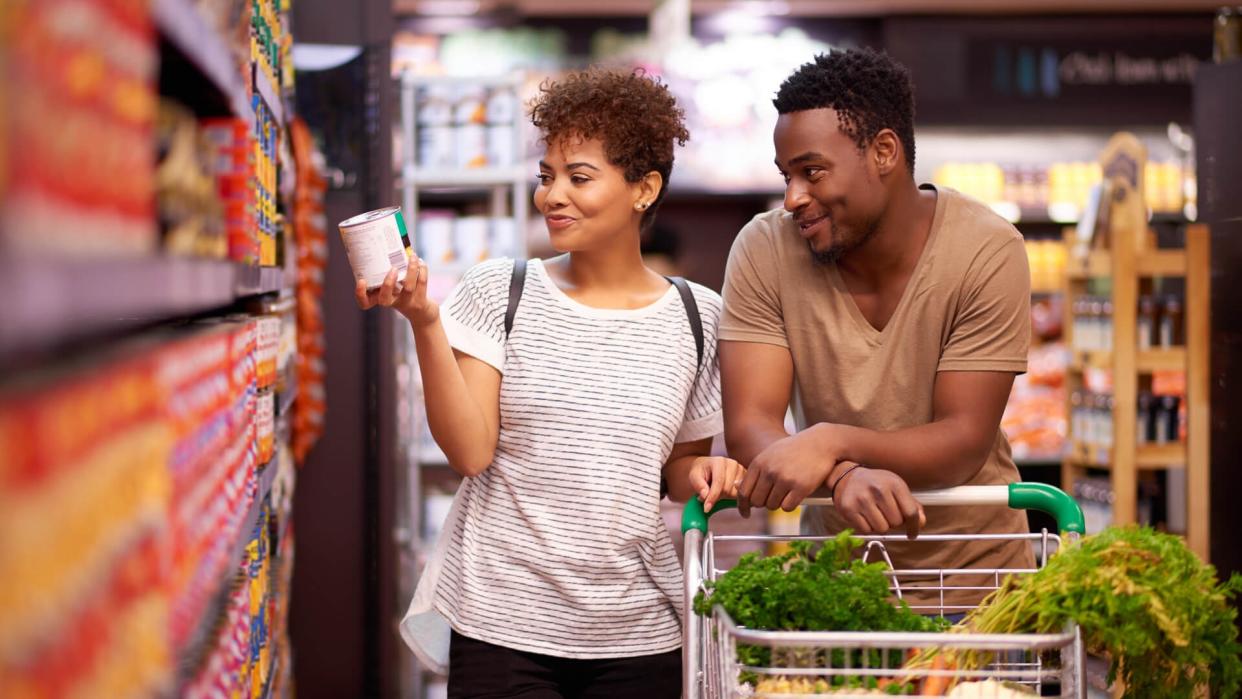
516 284
692 311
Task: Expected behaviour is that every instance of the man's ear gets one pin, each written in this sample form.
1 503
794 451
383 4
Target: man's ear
886 151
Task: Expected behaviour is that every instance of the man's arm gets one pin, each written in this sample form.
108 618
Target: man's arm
946 452
756 383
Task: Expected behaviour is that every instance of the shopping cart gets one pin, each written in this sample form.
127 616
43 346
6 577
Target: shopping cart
1043 664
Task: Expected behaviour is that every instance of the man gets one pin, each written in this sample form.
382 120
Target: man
894 316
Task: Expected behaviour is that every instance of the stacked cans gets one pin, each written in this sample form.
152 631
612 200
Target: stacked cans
465 127
445 238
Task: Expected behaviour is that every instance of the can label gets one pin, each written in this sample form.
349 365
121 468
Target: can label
376 242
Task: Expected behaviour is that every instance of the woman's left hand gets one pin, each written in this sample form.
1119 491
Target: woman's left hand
714 478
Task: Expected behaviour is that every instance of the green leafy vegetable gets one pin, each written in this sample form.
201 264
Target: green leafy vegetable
797 591
1141 597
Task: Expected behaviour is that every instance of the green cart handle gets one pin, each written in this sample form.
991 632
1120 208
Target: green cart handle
1020 496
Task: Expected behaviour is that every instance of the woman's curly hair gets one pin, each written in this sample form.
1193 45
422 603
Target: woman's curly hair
634 115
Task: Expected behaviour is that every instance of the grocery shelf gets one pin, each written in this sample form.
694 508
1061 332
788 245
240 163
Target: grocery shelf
207 623
1149 263
183 25
58 301
1161 456
481 177
1081 360
1172 359
1147 456
271 96
1162 263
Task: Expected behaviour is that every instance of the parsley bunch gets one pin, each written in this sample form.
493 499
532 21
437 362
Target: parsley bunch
829 590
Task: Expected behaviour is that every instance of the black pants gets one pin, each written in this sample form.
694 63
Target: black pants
478 669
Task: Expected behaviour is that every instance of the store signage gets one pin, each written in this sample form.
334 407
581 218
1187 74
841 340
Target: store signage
1058 71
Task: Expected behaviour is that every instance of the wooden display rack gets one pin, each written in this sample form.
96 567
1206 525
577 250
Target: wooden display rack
1123 249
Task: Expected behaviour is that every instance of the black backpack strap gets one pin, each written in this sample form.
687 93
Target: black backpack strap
692 311
516 284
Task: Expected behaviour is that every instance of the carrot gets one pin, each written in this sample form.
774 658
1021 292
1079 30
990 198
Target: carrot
937 685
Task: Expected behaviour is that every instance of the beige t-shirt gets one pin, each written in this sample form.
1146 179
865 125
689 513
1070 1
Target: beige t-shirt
965 308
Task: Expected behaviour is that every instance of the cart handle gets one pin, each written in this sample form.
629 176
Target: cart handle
1020 496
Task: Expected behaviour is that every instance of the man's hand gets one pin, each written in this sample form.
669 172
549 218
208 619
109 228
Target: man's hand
873 501
786 472
715 477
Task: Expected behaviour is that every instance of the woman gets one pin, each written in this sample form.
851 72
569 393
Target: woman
555 570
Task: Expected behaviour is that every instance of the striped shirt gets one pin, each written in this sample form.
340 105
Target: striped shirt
560 548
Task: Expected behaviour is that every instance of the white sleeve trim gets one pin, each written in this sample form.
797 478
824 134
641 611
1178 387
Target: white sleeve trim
469 341
701 428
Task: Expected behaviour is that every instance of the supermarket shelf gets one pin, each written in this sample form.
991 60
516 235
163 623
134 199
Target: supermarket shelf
482 177
1094 264
184 26
287 398
1162 263
266 477
1161 456
271 96
62 301
509 80
1150 263
1173 359
203 634
1081 360
271 674
1147 456
1089 456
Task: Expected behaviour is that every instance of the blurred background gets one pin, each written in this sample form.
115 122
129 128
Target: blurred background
215 475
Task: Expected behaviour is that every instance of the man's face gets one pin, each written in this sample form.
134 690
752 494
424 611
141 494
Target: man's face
832 188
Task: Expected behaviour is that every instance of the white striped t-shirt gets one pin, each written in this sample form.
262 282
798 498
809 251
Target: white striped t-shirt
561 548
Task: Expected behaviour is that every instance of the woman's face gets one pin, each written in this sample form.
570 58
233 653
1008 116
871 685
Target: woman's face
585 199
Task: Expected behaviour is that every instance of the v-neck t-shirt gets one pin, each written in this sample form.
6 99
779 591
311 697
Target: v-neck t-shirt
966 307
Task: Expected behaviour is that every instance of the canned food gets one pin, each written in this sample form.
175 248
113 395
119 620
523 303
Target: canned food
471 107
505 237
376 242
471 146
437 147
435 236
501 149
472 239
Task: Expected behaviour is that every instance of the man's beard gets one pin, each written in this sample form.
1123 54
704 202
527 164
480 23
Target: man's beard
838 249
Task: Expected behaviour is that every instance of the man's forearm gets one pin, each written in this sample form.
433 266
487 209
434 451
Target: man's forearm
937 455
748 439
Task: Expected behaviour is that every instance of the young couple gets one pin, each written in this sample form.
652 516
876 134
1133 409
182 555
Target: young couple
573 397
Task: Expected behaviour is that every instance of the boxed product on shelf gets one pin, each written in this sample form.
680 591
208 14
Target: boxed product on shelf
98 89
190 204
233 166
310 229
83 610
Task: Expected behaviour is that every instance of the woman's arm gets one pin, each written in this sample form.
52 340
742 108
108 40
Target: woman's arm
462 393
691 470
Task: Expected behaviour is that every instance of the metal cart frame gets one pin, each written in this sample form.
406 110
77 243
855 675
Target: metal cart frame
711 668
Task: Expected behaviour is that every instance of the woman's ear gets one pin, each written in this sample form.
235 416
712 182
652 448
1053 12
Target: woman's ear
647 190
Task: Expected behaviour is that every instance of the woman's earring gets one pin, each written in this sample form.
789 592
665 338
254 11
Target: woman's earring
640 206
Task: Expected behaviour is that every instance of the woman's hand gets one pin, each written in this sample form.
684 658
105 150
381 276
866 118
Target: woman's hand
714 478
409 298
